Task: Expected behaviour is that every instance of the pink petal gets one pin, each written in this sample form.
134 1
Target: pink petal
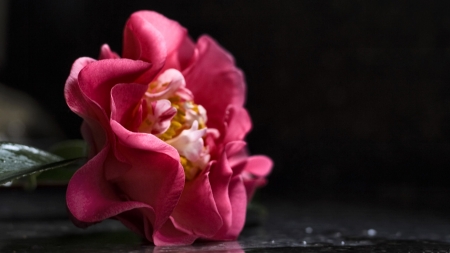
163 112
223 81
143 141
106 53
74 97
168 235
175 81
94 135
183 56
151 37
90 198
126 100
220 177
138 220
238 124
95 119
171 32
238 199
259 165
196 212
226 194
97 78
155 178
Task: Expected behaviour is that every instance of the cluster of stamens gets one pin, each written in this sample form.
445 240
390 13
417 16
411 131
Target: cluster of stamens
173 117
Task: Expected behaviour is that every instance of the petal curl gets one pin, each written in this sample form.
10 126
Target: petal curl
196 212
258 165
143 141
107 53
222 79
151 37
168 235
155 178
155 32
95 118
98 78
90 198
229 194
238 199
238 124
74 97
126 104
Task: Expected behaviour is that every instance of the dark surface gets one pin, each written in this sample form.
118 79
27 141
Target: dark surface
37 222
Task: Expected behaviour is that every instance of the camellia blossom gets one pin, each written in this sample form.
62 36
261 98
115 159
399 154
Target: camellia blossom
165 124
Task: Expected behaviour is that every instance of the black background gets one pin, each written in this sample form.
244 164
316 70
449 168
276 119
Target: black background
349 98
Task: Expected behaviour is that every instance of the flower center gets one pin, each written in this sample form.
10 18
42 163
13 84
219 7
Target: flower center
173 117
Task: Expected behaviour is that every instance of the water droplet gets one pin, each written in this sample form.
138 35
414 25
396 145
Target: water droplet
342 243
7 184
304 243
272 241
308 230
371 232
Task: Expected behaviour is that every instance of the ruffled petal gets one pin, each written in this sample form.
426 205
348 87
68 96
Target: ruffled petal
221 177
222 79
107 53
98 78
126 102
95 118
74 97
152 30
138 220
258 165
238 124
90 198
155 178
143 141
168 235
196 212
238 199
183 57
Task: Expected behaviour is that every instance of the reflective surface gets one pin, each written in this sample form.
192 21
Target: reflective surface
37 222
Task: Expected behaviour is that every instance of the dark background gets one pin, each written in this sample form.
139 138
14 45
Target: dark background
349 98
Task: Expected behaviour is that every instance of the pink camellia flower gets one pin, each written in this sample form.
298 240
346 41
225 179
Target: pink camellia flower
165 124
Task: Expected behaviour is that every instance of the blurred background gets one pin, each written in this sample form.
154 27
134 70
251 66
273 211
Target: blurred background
349 98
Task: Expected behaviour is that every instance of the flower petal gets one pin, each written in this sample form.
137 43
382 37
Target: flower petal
151 29
90 198
95 118
156 176
168 235
174 81
238 198
97 78
222 79
74 97
238 124
143 141
107 53
126 99
196 212
226 194
259 165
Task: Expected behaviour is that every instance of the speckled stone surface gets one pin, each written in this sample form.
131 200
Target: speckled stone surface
37 222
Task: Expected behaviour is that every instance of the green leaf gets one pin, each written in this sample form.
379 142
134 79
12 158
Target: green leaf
69 149
18 160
